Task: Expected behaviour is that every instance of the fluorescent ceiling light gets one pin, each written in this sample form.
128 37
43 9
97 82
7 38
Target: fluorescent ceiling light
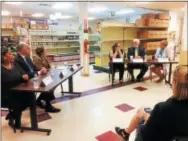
5 13
66 17
53 17
38 15
97 9
14 3
62 5
58 15
91 18
124 11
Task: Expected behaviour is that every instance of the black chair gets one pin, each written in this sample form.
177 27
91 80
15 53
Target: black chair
110 72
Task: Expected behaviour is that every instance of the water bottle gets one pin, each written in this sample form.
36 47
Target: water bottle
35 82
52 72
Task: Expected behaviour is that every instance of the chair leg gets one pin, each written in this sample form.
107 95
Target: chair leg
165 73
62 89
109 76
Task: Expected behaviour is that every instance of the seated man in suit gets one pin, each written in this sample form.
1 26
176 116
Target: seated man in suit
23 60
136 52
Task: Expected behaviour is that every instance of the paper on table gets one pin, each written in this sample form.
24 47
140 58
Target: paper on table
138 60
61 67
117 60
75 67
65 72
163 60
46 81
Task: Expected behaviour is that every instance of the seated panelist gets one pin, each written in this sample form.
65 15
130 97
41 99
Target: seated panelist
162 52
24 62
117 52
11 76
40 61
136 52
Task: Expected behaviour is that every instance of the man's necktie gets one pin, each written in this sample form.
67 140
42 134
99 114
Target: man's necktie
28 65
136 51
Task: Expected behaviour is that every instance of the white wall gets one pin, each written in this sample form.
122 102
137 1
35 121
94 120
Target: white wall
184 37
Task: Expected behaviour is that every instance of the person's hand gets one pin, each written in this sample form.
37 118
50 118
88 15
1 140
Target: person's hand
25 77
137 57
43 71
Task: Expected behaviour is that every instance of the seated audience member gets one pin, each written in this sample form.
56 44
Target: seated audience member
24 61
161 52
40 61
12 75
117 52
136 52
168 119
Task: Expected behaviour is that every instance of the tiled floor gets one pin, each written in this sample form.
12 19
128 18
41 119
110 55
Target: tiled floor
85 118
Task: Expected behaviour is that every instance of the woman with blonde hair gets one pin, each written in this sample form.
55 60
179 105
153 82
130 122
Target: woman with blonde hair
168 119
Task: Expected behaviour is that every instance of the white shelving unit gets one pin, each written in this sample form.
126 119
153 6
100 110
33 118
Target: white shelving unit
61 45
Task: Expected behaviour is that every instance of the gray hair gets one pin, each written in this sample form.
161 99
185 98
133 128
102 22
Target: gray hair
136 40
20 46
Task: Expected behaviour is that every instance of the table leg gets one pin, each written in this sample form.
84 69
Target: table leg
71 92
33 117
170 74
112 71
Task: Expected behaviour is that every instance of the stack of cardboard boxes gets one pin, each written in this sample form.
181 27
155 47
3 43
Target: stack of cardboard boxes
154 20
152 34
39 26
153 23
151 45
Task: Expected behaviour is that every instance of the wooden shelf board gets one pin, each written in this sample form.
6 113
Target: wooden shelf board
131 39
55 41
131 26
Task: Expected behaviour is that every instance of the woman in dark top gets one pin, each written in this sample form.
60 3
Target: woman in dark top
117 52
168 119
12 75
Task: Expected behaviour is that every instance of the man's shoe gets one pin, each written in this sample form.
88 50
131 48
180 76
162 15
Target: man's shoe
51 109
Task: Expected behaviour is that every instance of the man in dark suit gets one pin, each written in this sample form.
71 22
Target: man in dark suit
23 60
136 52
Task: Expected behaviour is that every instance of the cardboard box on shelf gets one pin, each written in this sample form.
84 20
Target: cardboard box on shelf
3 25
156 23
9 25
45 27
39 26
57 58
140 22
148 16
163 16
50 58
33 26
151 45
152 34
